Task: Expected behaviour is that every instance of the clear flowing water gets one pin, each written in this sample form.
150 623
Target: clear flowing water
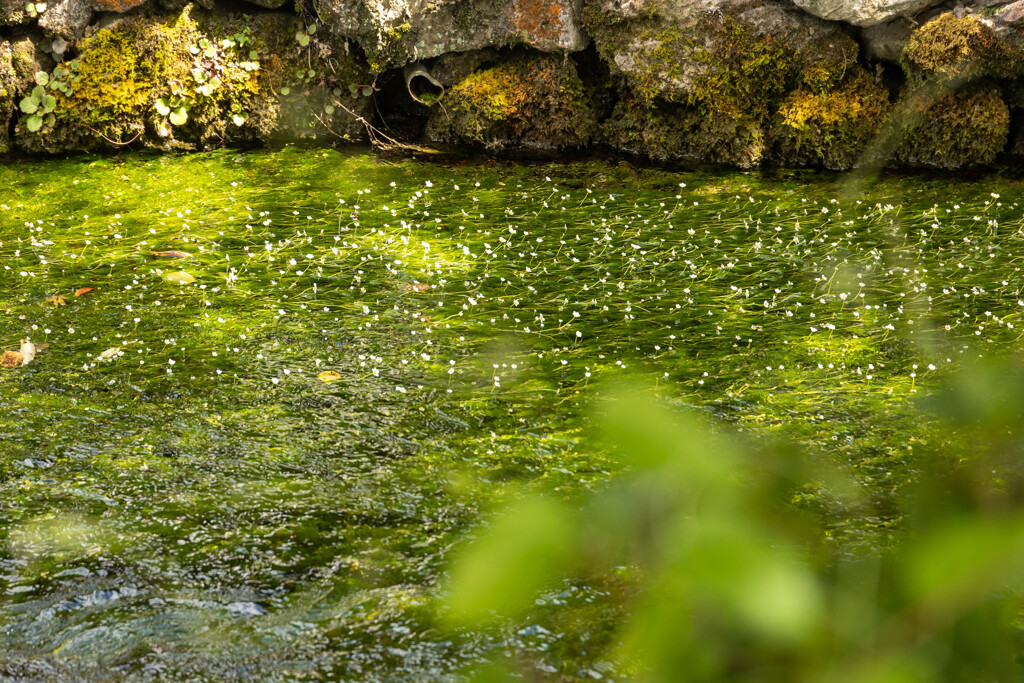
300 378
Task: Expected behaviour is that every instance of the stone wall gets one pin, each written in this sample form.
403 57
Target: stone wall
746 83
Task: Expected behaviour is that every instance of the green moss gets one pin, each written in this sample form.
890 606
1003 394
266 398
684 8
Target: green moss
831 129
719 64
672 132
957 48
8 90
389 51
534 101
202 79
953 129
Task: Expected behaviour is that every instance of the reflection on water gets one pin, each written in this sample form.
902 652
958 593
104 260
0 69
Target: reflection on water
185 497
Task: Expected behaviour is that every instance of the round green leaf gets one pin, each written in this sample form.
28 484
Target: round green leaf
49 103
329 109
34 123
179 116
285 90
29 105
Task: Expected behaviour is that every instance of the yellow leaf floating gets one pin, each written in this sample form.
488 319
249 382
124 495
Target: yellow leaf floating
179 277
328 376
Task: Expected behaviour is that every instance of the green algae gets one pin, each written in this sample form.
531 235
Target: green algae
228 512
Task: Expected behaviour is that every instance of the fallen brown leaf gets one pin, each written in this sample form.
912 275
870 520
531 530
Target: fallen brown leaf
171 254
415 287
57 300
328 376
83 290
11 359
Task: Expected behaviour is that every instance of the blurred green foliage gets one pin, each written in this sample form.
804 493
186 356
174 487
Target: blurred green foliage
737 580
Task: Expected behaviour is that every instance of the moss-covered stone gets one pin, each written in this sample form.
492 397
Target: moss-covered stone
831 129
389 51
958 48
8 91
741 60
12 12
195 78
951 129
534 101
673 132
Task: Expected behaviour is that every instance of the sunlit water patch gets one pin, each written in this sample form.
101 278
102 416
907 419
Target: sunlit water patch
280 388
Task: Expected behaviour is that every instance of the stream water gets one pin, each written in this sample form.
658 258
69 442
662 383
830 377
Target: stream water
298 379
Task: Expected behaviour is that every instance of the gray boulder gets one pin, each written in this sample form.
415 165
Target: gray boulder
865 12
395 32
67 19
886 41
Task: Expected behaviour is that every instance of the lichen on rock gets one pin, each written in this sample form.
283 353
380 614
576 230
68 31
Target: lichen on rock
536 101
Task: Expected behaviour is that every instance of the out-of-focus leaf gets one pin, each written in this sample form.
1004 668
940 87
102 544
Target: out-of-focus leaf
527 547
965 560
328 376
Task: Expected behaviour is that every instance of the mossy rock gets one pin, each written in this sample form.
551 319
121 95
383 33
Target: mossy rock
196 79
831 129
534 101
12 12
743 59
672 132
8 91
952 48
951 129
